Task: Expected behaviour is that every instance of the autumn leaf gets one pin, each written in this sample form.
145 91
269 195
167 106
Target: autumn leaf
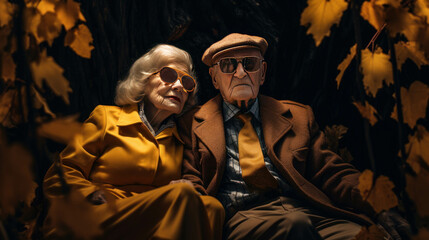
423 39
6 12
370 233
80 40
32 19
376 69
367 111
49 71
68 13
321 15
379 195
4 36
345 64
417 149
405 50
45 6
49 28
6 100
417 189
421 8
373 13
61 130
400 20
16 177
414 103
73 214
7 70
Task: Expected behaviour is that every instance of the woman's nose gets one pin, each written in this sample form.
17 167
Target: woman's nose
177 85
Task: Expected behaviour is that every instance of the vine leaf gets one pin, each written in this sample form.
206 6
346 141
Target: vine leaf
376 69
373 13
345 64
418 191
414 103
417 149
48 29
6 12
68 13
405 50
367 111
7 67
61 130
370 233
80 40
380 195
49 71
321 15
16 176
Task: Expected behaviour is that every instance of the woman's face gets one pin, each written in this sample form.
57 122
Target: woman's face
169 97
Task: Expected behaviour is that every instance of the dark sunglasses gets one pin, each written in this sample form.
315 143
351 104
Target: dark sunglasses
229 65
169 75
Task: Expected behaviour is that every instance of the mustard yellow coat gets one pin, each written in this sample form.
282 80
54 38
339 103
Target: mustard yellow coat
117 152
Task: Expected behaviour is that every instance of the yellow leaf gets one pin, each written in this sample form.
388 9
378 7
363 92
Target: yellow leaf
393 3
381 196
49 71
400 20
49 28
45 6
370 233
367 111
321 15
345 64
376 69
61 130
6 11
73 214
423 234
32 19
417 189
409 50
417 149
16 176
414 103
80 40
365 183
421 8
69 12
373 13
7 70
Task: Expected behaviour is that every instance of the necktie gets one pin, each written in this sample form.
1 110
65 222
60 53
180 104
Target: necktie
252 162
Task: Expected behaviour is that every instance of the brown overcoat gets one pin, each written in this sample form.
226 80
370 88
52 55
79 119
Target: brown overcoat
294 144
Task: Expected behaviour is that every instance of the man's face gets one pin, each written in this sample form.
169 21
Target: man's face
240 86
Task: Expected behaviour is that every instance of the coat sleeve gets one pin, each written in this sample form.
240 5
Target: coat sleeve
191 169
78 157
335 177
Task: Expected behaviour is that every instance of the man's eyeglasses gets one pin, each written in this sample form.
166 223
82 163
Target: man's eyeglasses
169 75
229 65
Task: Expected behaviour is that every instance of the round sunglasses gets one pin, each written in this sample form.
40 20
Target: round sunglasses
229 65
170 75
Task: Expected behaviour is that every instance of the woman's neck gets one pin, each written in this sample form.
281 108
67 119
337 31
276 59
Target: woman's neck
154 115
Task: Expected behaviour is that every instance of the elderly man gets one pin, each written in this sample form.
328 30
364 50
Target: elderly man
265 159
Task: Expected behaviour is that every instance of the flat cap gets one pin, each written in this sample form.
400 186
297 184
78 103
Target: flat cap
231 42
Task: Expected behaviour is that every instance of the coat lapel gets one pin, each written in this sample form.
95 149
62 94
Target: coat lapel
209 128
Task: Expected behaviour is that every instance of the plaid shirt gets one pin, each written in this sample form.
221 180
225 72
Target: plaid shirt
234 193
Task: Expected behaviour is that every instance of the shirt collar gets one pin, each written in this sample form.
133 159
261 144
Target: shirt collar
230 110
167 123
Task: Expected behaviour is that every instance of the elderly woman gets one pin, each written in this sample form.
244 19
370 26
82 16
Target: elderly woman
133 154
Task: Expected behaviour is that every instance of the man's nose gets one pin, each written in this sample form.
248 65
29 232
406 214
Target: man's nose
239 72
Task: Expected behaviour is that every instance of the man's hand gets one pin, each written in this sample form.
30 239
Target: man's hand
394 224
182 181
98 197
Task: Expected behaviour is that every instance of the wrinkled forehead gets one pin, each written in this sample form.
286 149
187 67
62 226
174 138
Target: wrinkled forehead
237 53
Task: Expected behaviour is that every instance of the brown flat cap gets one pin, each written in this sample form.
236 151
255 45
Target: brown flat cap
233 41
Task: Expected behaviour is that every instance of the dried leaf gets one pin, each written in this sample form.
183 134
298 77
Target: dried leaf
45 6
381 196
417 189
367 111
68 13
49 28
16 177
373 13
73 214
365 183
7 70
370 233
423 234
49 71
421 8
376 69
321 15
345 64
409 50
6 12
61 130
32 20
414 103
417 149
80 40
400 20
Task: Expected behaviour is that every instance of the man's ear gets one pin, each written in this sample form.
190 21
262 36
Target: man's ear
213 76
264 72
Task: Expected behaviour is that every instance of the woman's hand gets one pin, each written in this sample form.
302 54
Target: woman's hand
98 197
182 181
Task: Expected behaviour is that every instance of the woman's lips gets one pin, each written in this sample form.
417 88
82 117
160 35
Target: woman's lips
175 98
